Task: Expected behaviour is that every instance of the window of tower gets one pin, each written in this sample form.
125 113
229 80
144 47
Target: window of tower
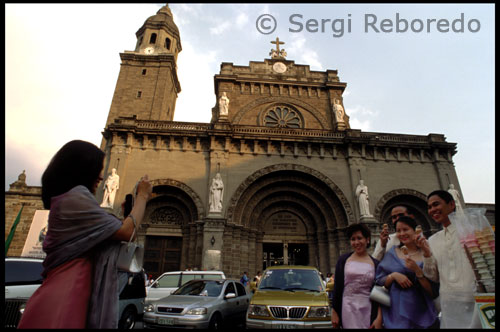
167 43
152 40
143 72
139 94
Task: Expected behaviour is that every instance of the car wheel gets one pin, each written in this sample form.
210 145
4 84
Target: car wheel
215 322
127 321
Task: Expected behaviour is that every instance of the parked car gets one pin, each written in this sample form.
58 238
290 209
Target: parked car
131 303
23 276
168 282
289 297
200 304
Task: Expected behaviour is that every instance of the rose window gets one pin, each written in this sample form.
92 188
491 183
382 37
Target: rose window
282 117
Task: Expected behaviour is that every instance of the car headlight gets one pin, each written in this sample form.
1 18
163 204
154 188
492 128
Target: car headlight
149 308
319 312
258 310
197 311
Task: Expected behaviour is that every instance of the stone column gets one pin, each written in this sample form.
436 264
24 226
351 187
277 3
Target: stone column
244 252
235 264
323 253
227 257
313 251
259 250
333 250
213 243
192 246
199 244
252 257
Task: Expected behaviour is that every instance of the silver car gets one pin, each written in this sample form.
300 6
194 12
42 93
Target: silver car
200 304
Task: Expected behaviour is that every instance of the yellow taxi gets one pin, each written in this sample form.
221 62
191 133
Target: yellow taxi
289 297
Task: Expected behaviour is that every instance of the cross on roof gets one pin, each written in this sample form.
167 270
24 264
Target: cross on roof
277 43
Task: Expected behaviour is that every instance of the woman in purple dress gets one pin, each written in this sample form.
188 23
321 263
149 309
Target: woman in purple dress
411 292
354 277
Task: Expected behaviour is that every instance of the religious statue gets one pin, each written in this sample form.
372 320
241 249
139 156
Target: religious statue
111 185
216 194
22 177
273 53
283 53
223 104
456 196
339 111
362 195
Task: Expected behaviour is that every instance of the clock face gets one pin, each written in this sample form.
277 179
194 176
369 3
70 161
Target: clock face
279 67
149 50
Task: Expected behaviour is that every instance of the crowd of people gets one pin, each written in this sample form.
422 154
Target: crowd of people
422 276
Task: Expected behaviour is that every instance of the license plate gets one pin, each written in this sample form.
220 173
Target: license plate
285 326
166 321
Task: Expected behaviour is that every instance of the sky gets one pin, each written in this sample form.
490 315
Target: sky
432 74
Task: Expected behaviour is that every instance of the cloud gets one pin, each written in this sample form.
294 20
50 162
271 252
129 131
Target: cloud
360 117
196 71
241 20
298 50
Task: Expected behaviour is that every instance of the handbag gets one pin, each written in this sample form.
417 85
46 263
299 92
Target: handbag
131 255
380 294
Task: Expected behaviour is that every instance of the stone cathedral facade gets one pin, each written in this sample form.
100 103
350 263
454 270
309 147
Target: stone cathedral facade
272 178
281 144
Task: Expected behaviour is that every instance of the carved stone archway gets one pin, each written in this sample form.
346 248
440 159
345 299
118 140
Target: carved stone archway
311 196
190 192
414 199
288 167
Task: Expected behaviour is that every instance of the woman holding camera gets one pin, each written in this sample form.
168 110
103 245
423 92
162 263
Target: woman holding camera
81 281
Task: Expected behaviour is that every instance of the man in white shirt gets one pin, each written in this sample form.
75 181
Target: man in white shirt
388 240
445 261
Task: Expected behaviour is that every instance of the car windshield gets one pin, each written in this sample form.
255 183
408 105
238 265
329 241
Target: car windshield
210 288
291 280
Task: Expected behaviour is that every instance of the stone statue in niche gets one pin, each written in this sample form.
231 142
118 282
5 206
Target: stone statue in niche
216 194
363 199
339 111
223 104
111 185
456 196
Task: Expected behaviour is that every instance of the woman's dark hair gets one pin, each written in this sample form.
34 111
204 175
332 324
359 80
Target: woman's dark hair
407 220
361 228
76 163
444 195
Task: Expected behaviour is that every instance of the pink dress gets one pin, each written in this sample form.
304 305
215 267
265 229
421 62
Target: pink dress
356 305
61 302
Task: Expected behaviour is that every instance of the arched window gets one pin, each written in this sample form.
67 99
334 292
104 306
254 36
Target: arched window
167 43
282 117
152 40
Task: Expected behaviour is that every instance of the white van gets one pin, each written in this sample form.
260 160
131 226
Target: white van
168 282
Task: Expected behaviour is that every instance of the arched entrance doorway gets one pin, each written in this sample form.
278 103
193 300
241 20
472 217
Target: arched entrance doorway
284 241
170 230
292 212
416 203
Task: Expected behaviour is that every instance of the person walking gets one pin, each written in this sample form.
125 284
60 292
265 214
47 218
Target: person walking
410 291
353 281
244 279
81 281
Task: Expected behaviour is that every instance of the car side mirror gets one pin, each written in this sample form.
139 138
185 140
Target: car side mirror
229 296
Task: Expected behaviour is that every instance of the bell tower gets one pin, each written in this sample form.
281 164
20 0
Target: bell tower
148 85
